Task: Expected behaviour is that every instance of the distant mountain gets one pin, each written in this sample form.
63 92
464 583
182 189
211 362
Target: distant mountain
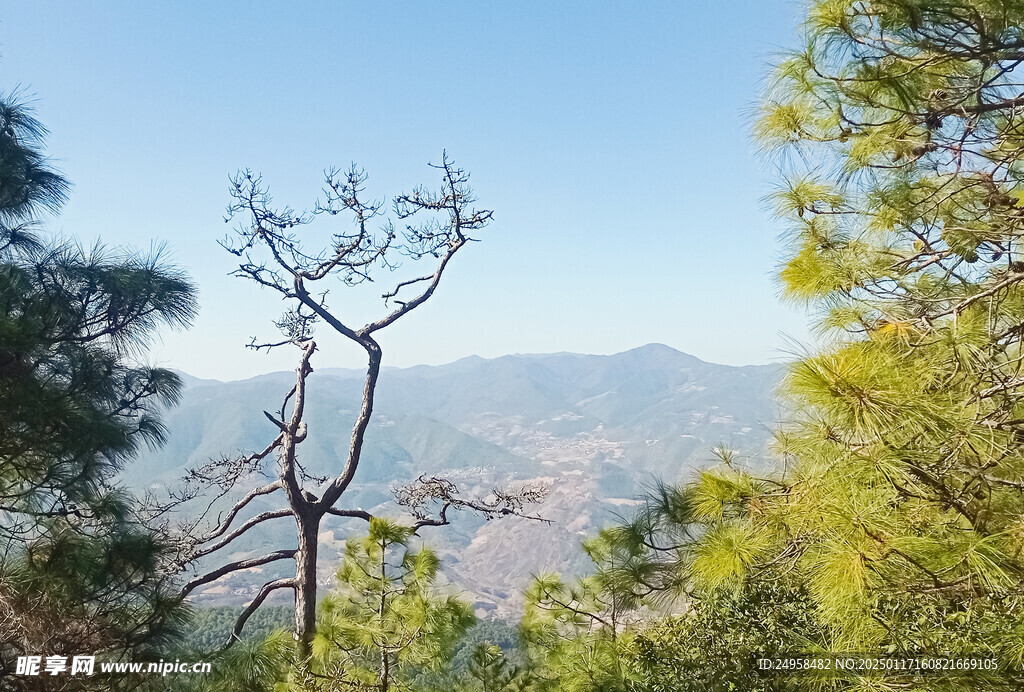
597 429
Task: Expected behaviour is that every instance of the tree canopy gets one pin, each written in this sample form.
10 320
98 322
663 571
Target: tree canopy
80 570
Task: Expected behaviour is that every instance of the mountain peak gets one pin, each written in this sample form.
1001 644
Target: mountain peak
659 353
657 348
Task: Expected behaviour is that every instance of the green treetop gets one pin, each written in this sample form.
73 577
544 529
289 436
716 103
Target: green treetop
385 617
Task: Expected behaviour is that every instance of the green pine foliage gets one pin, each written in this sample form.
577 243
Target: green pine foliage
251 665
711 646
79 569
490 670
385 626
385 618
902 200
900 509
504 655
659 614
576 631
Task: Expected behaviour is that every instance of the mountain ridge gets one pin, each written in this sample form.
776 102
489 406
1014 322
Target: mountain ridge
596 429
193 380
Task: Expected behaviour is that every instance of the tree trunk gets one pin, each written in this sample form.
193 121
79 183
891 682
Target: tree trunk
305 584
385 670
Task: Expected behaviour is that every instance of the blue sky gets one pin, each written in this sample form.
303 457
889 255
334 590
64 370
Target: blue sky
611 139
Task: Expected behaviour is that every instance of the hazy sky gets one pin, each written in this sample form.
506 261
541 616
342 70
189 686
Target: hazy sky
611 139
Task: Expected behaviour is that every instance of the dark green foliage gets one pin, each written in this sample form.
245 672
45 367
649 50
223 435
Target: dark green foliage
73 406
210 627
252 665
28 184
455 672
488 633
712 646
80 569
490 671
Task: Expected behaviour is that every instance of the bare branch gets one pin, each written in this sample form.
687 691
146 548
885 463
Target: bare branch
428 492
258 519
339 484
235 567
351 513
238 507
256 602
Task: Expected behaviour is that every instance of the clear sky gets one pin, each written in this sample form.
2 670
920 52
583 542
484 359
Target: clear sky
611 139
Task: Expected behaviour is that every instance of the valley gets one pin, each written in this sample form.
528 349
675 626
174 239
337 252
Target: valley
596 430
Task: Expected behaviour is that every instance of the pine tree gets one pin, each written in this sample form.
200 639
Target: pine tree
491 671
577 631
79 573
386 615
905 493
896 512
900 126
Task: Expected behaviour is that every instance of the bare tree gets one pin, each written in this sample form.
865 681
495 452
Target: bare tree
435 226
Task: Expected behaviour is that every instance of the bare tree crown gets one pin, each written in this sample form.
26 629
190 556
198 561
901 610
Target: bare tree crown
433 223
